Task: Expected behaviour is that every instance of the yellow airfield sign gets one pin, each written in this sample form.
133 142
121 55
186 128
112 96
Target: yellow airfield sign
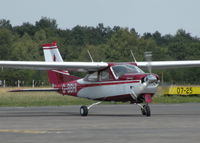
181 90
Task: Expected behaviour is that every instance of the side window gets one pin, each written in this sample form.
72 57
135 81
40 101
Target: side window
92 77
105 75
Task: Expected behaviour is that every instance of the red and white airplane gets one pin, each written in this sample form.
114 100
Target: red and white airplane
124 82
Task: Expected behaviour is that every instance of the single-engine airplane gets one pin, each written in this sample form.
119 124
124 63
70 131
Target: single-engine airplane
124 82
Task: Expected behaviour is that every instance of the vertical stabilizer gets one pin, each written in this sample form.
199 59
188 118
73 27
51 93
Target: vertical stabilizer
52 54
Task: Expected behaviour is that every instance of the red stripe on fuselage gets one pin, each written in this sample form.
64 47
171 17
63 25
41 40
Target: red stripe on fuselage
107 83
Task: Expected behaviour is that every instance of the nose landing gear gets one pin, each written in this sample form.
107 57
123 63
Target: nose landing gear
146 111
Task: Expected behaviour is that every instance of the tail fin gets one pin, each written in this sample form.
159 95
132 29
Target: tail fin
52 54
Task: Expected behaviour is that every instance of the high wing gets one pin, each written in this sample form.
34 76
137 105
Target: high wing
92 66
71 66
169 64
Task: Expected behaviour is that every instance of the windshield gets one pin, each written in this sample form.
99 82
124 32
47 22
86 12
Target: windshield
123 69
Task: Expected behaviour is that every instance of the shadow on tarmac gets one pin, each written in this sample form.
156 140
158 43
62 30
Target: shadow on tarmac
64 114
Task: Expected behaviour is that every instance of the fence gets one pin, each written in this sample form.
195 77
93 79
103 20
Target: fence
19 83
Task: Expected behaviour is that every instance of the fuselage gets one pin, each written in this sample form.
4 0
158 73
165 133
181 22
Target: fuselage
115 83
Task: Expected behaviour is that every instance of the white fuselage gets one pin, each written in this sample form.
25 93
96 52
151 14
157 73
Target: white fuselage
97 90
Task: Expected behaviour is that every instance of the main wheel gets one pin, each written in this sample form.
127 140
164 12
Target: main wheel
83 111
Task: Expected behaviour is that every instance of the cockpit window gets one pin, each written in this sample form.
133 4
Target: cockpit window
123 69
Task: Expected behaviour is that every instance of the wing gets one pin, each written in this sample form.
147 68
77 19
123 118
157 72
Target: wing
92 66
70 66
169 64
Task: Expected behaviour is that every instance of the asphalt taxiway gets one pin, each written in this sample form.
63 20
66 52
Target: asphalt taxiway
169 123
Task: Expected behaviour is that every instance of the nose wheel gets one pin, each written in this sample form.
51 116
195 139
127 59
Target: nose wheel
146 111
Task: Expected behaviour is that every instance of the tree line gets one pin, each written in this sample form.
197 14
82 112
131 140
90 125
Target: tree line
23 43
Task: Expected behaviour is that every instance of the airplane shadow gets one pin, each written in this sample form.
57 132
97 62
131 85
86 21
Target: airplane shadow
76 114
115 115
177 115
38 114
62 114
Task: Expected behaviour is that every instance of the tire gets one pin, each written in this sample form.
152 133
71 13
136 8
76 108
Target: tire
147 110
83 111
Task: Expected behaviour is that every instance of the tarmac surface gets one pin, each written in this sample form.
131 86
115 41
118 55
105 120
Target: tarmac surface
169 123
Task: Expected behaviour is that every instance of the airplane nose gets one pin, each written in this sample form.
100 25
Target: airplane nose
150 79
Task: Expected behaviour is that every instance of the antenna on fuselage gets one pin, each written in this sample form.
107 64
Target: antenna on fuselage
90 56
133 56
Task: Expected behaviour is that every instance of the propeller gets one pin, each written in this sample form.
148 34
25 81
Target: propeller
149 78
148 58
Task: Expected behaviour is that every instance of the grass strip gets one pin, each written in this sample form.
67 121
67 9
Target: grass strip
25 99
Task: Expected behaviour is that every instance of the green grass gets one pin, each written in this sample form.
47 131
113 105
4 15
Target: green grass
160 98
176 99
38 99
54 99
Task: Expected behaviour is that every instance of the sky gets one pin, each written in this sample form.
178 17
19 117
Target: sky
165 16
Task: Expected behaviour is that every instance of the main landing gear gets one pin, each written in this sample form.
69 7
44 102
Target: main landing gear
145 109
84 109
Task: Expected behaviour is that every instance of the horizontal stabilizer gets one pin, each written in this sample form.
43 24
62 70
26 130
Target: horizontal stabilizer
35 90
